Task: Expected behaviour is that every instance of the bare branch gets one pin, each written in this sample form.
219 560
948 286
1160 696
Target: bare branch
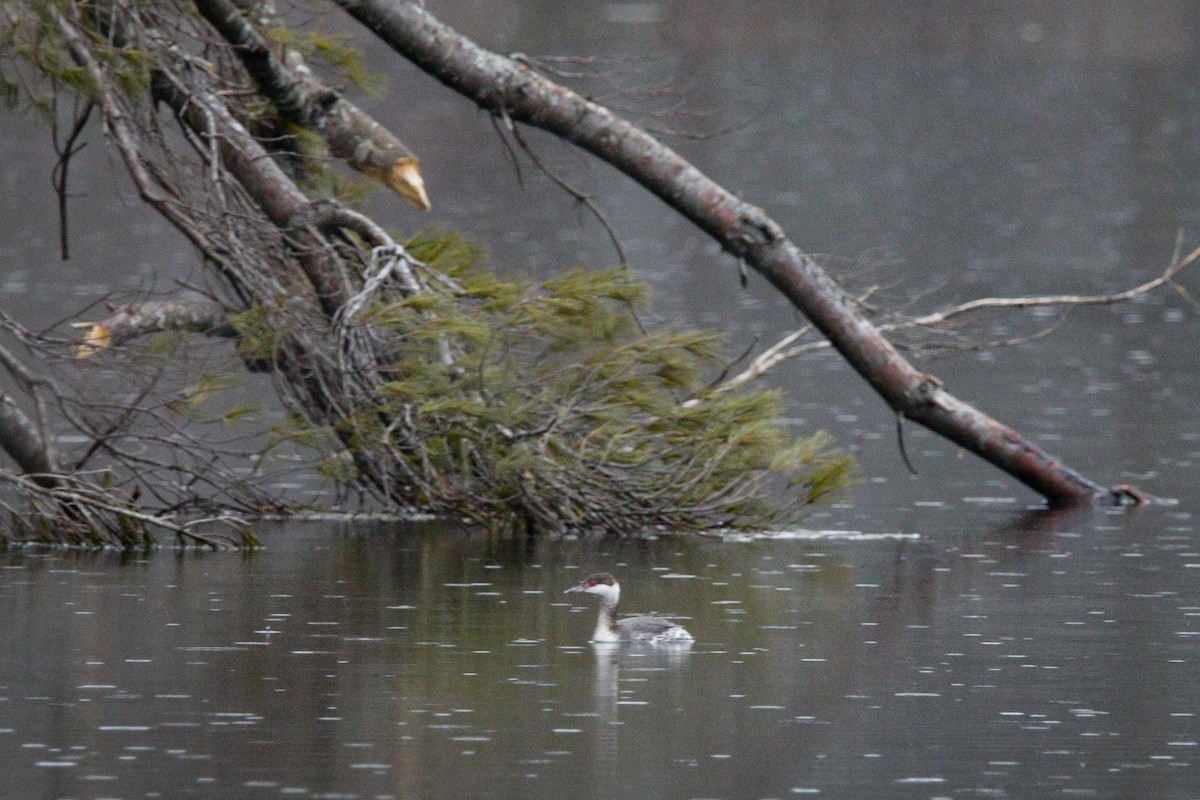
66 151
583 199
1168 275
197 316
100 519
786 348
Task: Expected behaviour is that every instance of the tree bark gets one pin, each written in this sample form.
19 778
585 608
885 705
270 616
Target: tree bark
132 321
351 133
20 440
508 88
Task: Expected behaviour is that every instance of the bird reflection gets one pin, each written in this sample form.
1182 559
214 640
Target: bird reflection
605 691
606 701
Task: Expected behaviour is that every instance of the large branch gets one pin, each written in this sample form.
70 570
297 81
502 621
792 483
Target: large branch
211 120
28 443
787 347
513 90
351 133
328 378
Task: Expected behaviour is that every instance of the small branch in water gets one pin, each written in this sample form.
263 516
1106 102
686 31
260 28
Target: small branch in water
900 442
98 517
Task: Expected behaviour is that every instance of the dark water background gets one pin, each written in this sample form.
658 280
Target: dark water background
945 151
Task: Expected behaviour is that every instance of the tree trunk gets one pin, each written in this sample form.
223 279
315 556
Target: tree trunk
513 90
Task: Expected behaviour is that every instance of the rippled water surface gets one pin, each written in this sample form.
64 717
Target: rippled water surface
929 637
1057 660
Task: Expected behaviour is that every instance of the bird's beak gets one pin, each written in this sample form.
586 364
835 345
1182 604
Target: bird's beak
578 588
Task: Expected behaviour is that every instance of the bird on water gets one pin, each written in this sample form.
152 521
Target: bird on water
648 629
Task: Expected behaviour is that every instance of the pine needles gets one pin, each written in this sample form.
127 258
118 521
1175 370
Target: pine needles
558 414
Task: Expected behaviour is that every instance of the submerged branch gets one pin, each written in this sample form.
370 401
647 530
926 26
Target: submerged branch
100 518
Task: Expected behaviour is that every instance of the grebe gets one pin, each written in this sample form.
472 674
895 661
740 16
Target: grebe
649 629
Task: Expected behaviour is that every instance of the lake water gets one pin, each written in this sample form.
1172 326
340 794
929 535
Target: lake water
992 656
941 638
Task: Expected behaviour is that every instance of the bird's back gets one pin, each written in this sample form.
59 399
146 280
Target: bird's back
650 628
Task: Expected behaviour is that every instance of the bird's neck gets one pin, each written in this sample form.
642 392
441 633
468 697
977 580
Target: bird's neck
606 624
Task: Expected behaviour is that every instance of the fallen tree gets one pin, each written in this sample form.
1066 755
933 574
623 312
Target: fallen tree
513 89
413 372
410 370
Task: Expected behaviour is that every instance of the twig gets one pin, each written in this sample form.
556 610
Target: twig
65 152
900 443
783 351
512 154
580 197
1166 277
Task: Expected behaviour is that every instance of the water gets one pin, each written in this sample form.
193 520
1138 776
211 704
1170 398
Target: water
949 642
428 661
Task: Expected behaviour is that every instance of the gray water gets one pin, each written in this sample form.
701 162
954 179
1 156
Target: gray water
1030 657
954 642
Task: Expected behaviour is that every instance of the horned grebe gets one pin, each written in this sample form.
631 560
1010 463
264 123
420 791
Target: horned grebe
650 629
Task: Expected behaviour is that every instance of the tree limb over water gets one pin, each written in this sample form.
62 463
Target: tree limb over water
512 90
303 100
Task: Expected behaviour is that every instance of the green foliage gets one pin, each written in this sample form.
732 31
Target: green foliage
161 349
339 468
297 429
452 254
558 413
258 334
315 173
245 412
37 63
192 401
821 470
